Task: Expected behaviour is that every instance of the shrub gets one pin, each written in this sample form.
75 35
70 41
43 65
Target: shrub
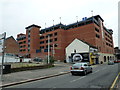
52 60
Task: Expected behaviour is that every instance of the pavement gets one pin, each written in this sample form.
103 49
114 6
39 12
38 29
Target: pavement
32 75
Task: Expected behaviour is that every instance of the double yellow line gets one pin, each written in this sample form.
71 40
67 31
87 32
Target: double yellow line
113 84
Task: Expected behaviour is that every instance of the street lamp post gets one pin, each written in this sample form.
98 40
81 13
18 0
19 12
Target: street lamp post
77 20
53 50
48 49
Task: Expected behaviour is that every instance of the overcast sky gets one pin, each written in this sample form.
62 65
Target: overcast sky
18 14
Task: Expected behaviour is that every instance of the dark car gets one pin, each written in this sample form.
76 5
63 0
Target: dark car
37 60
81 68
116 61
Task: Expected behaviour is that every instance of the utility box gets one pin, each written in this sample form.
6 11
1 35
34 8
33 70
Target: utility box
6 68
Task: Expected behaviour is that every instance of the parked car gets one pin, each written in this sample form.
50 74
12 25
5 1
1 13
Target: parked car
37 60
81 68
110 62
116 61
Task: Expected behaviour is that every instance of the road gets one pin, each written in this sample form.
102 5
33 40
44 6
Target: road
102 77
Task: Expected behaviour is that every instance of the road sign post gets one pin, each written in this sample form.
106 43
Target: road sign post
2 39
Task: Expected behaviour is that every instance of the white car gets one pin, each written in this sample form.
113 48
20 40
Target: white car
81 68
110 62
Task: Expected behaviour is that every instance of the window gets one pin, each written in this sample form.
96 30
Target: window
55 33
51 40
98 36
20 46
96 29
29 30
24 41
24 50
55 39
106 43
106 34
42 37
28 40
20 50
46 36
50 35
38 50
56 45
21 43
28 35
106 39
41 47
28 45
51 46
41 42
46 41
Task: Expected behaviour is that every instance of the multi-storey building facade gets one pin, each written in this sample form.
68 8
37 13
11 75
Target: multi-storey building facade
90 30
21 39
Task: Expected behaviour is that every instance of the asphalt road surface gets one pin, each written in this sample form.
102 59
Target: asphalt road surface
102 77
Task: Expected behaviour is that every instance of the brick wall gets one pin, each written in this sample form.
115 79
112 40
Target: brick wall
11 46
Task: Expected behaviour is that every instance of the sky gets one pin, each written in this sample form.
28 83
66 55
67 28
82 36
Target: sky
15 15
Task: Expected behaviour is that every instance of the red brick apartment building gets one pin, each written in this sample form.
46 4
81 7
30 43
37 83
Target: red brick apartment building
91 30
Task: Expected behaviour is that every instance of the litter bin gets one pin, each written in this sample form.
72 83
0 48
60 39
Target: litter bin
20 59
65 61
6 68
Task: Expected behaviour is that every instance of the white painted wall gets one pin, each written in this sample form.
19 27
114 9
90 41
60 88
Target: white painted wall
77 45
101 57
118 25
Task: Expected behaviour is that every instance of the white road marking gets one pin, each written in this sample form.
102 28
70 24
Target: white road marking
96 71
52 88
77 79
103 68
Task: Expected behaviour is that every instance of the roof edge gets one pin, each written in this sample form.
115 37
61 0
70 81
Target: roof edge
33 25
